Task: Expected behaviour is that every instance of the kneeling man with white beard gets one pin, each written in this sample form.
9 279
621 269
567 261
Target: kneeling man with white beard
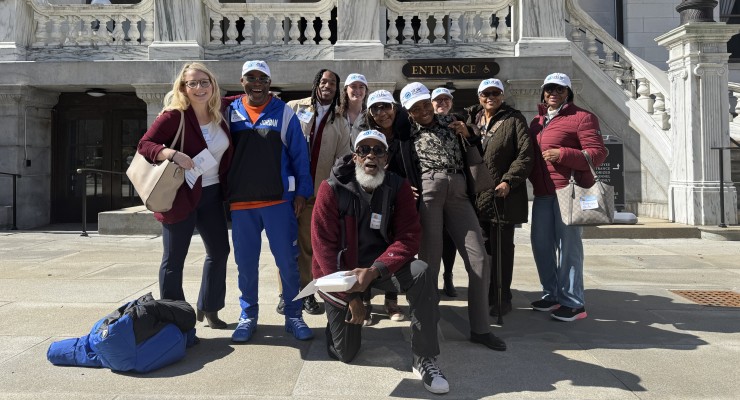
365 222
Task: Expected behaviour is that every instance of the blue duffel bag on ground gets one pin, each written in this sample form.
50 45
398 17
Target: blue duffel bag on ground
140 336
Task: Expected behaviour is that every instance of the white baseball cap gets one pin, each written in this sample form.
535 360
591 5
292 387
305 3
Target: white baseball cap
371 134
491 82
351 78
441 91
380 96
558 79
256 65
412 93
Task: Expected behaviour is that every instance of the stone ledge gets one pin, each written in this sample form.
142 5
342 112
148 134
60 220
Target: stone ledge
128 221
731 233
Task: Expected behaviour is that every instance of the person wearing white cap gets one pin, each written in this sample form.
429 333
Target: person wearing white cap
365 223
508 154
447 196
268 184
387 116
354 97
560 133
327 136
442 101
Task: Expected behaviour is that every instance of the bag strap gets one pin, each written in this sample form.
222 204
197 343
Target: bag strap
590 165
180 130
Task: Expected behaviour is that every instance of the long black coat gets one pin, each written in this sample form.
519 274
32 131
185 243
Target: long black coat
509 156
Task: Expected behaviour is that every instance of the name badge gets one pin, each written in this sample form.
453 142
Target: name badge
236 116
375 221
304 115
589 203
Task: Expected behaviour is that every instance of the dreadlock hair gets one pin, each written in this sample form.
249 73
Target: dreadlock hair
315 98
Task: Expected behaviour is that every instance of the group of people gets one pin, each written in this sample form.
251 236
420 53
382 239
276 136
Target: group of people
348 180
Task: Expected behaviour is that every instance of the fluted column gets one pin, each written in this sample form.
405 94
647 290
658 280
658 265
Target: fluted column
153 96
178 30
542 29
358 30
697 69
16 20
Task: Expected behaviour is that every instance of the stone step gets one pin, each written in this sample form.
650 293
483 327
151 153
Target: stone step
128 221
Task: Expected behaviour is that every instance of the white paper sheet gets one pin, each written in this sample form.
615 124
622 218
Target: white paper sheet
203 162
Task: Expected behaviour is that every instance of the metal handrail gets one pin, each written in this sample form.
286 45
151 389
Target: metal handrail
15 199
86 171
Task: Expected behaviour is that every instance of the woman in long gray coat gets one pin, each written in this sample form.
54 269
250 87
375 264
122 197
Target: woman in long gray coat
509 157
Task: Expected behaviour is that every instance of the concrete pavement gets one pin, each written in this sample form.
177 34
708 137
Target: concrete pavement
640 341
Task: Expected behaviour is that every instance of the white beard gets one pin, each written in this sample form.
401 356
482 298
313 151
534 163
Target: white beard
366 180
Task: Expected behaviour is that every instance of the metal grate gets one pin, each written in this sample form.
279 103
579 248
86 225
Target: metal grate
714 298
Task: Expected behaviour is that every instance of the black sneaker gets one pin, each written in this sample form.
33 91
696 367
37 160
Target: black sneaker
545 305
434 380
311 306
281 306
568 314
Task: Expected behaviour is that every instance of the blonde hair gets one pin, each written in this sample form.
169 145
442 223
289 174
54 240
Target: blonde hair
176 99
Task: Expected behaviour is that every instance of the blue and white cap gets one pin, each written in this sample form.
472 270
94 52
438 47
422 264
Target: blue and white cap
256 65
371 134
412 93
352 78
557 78
491 82
440 91
380 96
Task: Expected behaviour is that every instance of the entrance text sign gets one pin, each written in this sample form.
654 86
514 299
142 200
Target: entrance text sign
451 69
611 171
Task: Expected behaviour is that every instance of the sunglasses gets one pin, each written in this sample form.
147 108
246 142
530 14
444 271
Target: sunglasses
556 89
204 83
375 109
492 93
364 150
261 79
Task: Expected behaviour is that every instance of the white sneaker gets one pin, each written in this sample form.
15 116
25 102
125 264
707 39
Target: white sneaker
434 380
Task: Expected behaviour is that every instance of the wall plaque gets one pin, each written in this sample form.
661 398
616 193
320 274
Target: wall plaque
451 69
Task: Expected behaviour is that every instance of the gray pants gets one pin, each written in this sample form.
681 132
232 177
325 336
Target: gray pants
447 205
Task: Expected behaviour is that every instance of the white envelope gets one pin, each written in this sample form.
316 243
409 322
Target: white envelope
336 282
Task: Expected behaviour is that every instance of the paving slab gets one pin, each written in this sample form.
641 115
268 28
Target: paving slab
640 341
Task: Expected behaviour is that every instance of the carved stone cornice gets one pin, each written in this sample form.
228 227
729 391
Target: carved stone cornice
28 96
152 93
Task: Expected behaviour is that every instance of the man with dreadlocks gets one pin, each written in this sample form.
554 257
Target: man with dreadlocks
327 136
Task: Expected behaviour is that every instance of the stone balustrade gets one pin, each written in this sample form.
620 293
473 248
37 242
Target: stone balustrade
59 31
639 79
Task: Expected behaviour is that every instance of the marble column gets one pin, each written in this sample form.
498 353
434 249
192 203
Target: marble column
178 30
16 20
25 149
358 30
697 69
542 29
153 96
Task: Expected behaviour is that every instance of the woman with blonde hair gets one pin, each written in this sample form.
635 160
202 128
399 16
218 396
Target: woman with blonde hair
195 96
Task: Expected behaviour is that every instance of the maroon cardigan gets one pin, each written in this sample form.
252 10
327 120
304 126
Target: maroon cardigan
160 135
572 130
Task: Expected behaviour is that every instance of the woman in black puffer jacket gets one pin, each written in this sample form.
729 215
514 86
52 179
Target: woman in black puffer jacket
509 156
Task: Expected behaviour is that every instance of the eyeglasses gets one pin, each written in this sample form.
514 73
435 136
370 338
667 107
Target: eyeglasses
376 109
492 93
443 99
204 83
364 150
261 79
556 89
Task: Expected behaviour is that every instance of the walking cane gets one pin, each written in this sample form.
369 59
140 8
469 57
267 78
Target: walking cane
499 229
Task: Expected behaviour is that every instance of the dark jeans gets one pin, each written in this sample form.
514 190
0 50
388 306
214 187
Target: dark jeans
507 260
343 339
210 220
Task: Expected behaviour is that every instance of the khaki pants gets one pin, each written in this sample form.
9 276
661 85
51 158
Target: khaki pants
304 244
